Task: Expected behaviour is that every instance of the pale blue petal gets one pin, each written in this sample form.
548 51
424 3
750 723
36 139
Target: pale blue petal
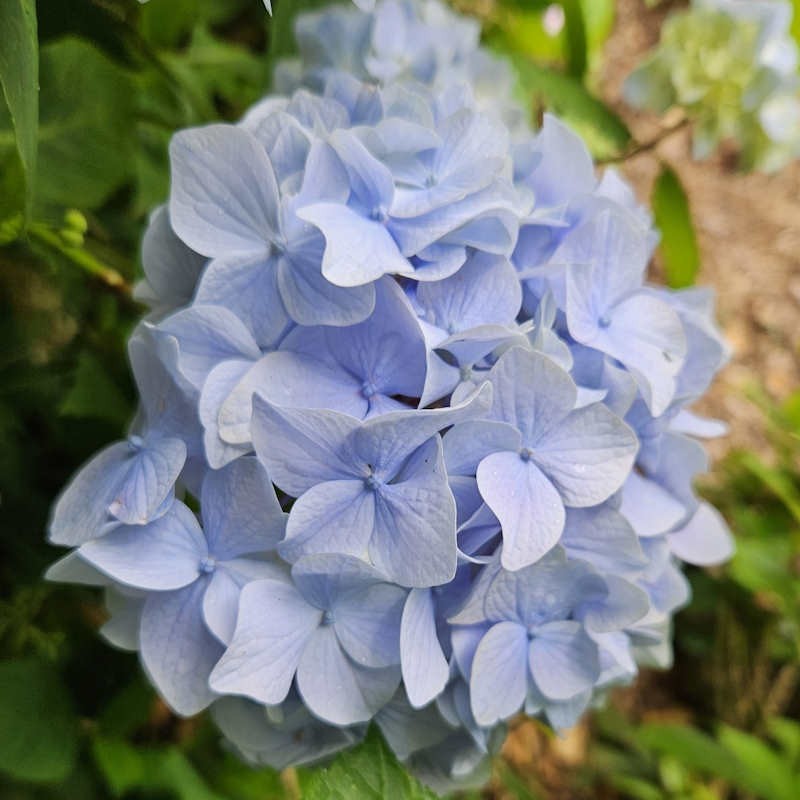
649 508
527 504
705 540
273 628
171 268
358 250
588 456
247 286
408 729
367 624
71 568
208 335
165 554
425 668
311 299
499 674
530 392
177 650
603 538
148 480
468 443
241 512
301 448
337 690
220 384
414 541
333 517
81 511
123 627
563 660
611 604
386 441
224 198
221 600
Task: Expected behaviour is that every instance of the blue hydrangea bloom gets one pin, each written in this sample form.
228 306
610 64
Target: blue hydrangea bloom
402 355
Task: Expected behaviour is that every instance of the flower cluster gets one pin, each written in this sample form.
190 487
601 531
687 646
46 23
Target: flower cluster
732 66
413 445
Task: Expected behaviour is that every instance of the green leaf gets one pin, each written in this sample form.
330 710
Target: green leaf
38 727
167 24
577 46
94 394
603 131
19 80
767 774
87 125
778 482
786 732
678 241
126 768
692 748
369 772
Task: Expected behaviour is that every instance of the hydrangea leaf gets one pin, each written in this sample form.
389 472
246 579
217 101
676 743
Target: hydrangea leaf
369 772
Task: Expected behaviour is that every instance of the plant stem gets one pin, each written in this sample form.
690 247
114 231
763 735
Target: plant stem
645 147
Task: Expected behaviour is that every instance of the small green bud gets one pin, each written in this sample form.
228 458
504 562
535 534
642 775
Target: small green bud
71 237
74 220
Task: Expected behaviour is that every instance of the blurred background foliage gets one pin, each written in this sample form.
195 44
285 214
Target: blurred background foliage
81 164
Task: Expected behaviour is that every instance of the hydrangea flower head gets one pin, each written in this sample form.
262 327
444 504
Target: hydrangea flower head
413 444
732 65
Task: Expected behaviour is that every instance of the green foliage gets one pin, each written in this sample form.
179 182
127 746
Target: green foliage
126 767
86 130
19 71
38 728
604 132
674 219
369 772
577 44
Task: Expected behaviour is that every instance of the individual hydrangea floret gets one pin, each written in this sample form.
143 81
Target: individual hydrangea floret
414 444
732 66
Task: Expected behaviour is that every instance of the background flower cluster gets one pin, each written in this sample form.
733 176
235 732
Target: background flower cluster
413 426
732 65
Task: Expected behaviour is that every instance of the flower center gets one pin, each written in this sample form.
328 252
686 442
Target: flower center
526 454
379 214
368 389
207 565
327 618
604 321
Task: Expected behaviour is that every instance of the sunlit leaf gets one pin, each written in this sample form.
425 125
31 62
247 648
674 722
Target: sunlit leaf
19 77
673 218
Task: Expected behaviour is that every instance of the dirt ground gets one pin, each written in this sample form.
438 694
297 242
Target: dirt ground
748 228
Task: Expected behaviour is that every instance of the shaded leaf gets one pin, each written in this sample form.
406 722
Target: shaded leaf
93 394
678 241
86 132
577 45
126 768
38 727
